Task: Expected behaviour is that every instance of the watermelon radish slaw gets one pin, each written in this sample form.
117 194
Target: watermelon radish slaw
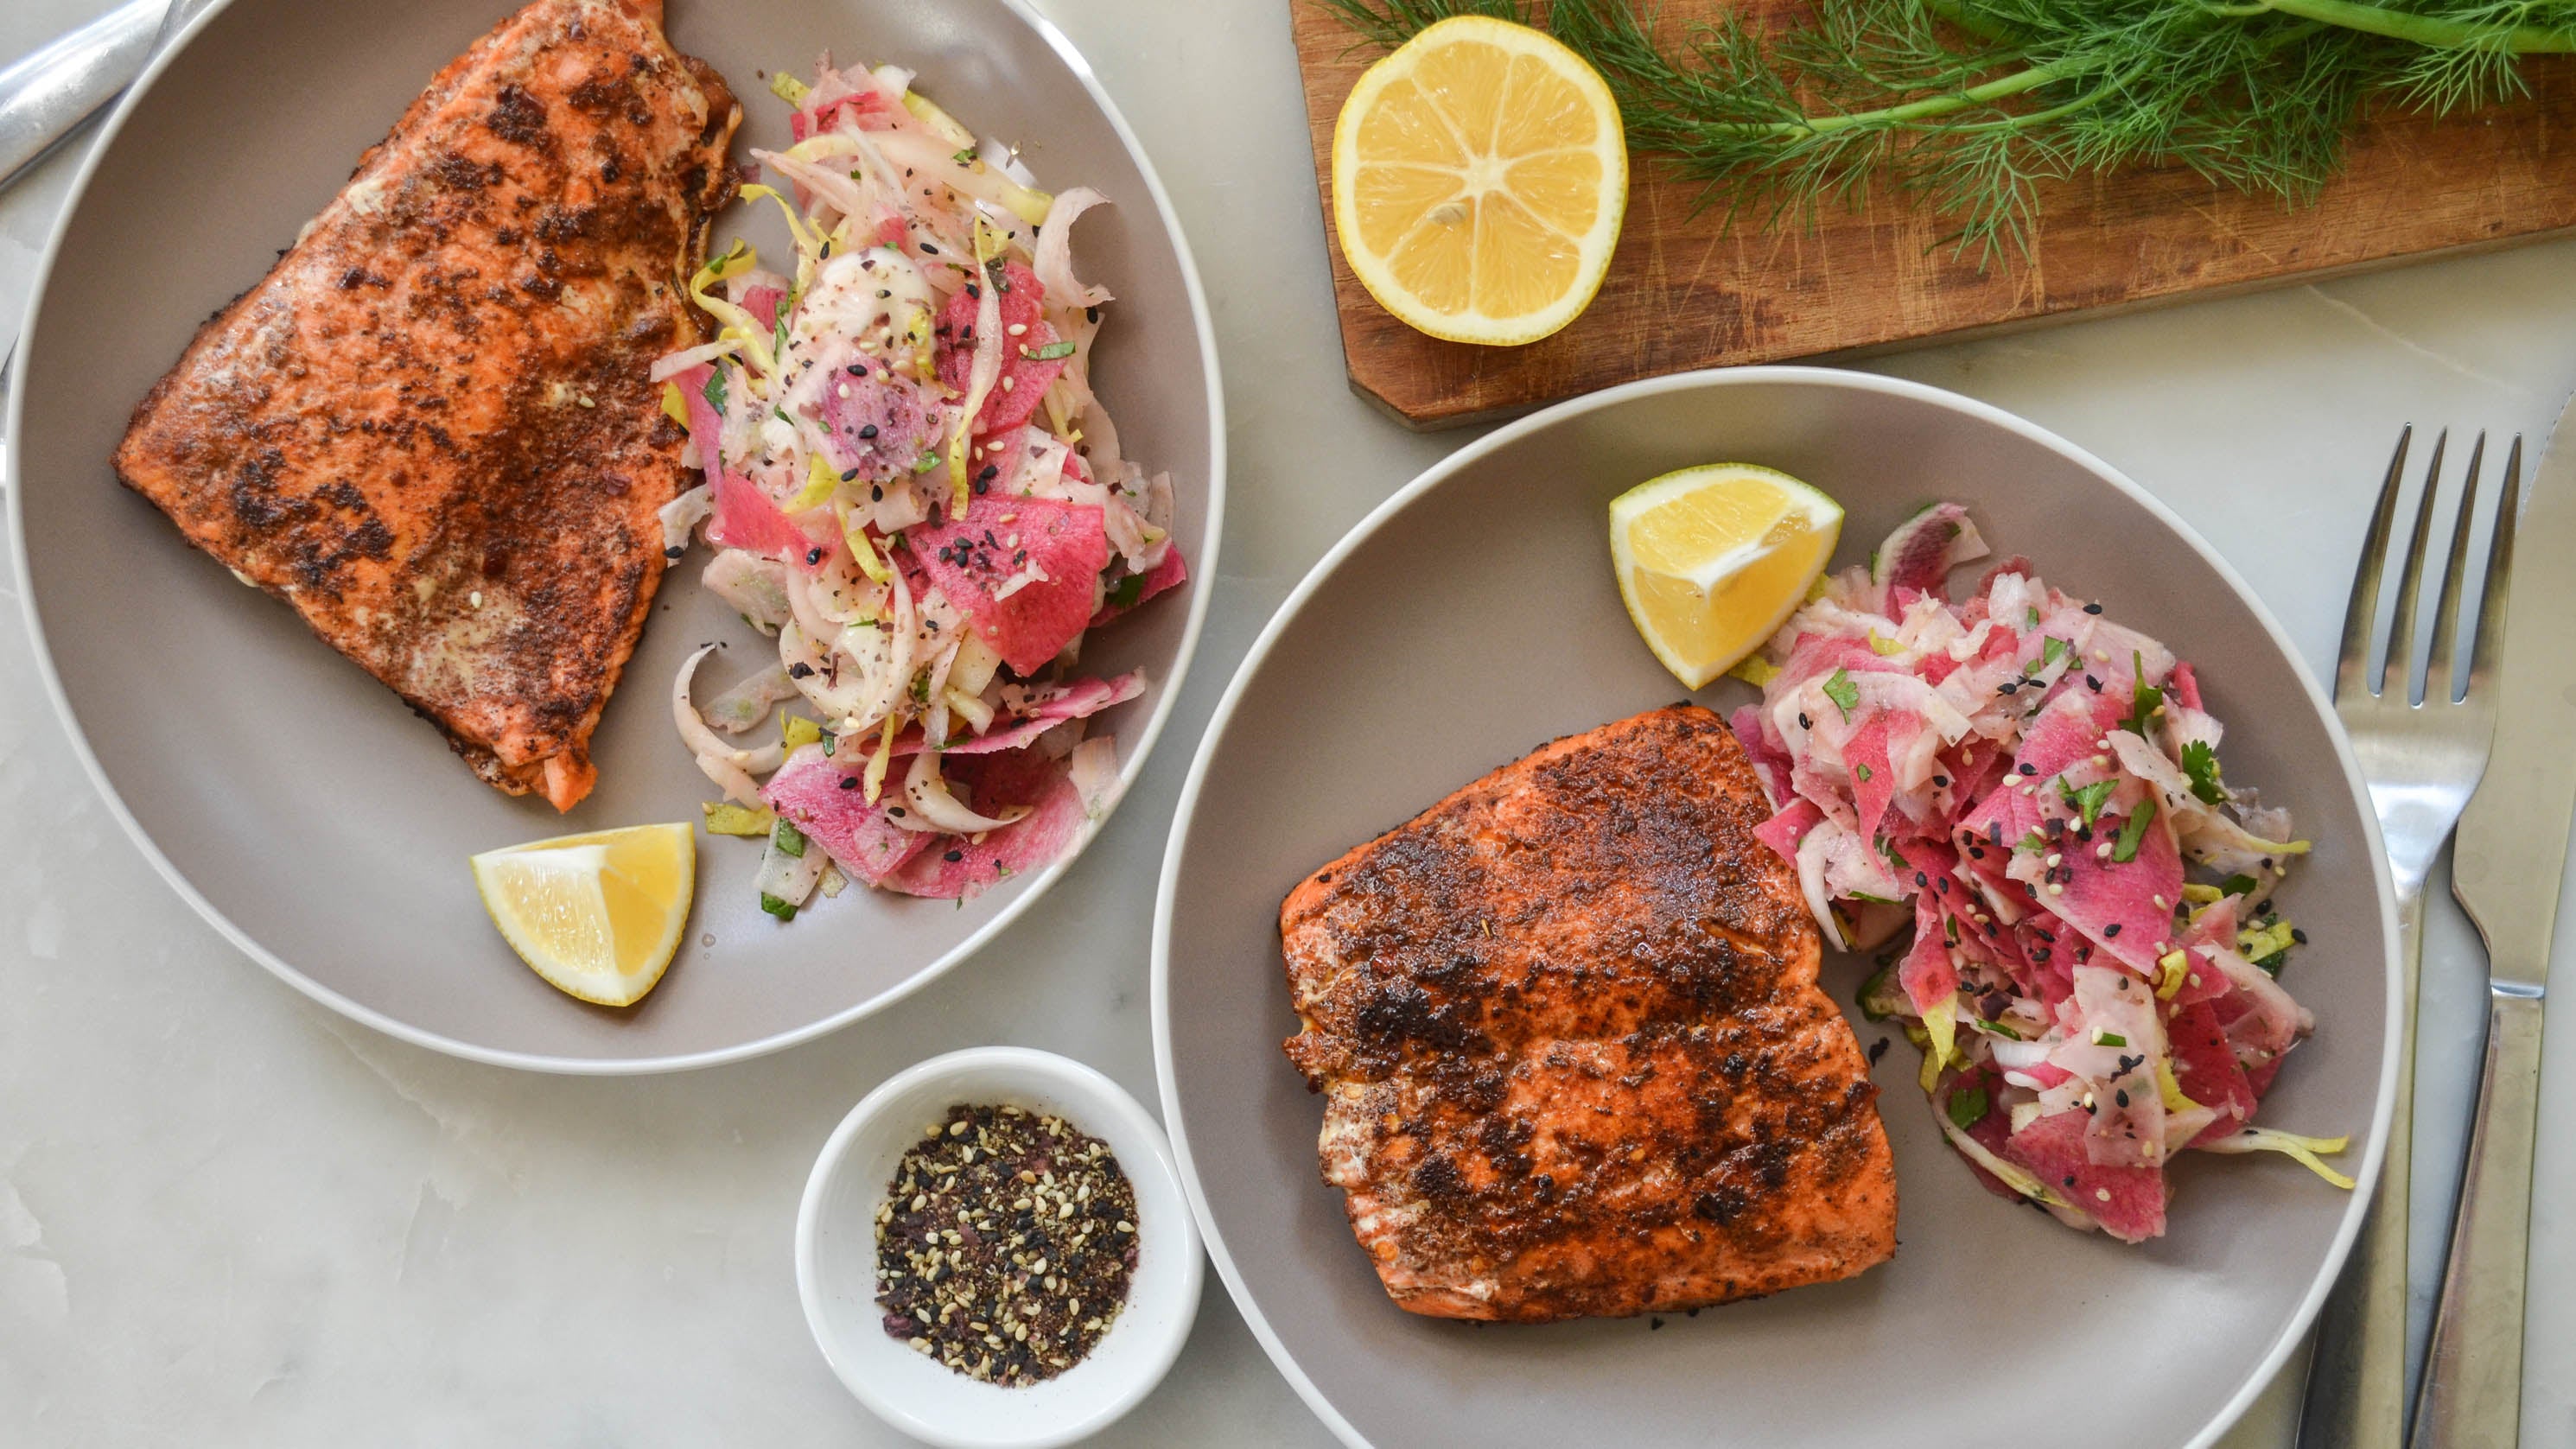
911 486
2035 791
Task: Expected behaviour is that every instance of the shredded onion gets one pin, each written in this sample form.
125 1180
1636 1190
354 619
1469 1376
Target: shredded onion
671 365
1053 260
682 515
703 740
1094 772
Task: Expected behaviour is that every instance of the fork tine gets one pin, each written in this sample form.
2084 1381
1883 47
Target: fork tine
2352 665
2438 667
2399 673
2490 641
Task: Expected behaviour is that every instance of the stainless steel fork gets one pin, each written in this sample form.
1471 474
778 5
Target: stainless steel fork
2421 762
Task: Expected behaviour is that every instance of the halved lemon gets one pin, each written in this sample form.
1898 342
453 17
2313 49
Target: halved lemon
599 916
1711 560
1479 177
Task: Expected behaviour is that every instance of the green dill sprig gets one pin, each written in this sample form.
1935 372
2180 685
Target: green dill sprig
1964 106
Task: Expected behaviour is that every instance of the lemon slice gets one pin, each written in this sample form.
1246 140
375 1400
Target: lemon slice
1711 560
1479 177
599 916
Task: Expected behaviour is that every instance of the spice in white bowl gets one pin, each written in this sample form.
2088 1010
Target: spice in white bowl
1005 1244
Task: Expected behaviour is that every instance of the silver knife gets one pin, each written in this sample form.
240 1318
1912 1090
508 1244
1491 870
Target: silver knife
2506 867
44 97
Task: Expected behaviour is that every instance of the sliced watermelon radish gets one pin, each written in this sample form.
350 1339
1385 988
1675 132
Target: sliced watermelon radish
763 302
956 868
803 123
1061 547
2124 907
1163 577
1919 555
1865 754
1784 830
744 517
2128 1202
813 792
2206 1069
875 424
1025 377
1926 972
1079 699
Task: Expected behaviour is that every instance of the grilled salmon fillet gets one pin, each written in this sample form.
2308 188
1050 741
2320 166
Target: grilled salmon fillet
430 428
1574 1055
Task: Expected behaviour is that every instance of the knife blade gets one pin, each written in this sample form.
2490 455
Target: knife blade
2512 849
46 95
2507 864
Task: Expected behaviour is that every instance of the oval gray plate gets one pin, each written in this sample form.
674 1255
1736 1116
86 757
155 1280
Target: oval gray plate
1473 617
295 801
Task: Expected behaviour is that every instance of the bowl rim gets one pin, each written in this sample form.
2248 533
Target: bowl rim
1107 1105
2292 1332
1204 567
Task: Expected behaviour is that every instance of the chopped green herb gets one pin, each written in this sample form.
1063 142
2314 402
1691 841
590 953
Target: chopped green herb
2238 885
2272 964
2109 1039
777 907
714 391
1861 772
1048 353
2032 841
2144 699
2132 831
923 464
2201 763
2000 1028
2032 614
965 157
1967 1108
1124 593
788 839
2088 800
2052 649
1873 900
1842 691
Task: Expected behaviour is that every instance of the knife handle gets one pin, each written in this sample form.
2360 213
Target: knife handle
2356 1393
2472 1395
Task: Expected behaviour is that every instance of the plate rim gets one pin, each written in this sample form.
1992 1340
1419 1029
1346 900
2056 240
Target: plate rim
2292 1332
13 482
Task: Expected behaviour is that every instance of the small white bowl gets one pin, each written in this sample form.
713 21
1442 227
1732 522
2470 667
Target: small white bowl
836 1257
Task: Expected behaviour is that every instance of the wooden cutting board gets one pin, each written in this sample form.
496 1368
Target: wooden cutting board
1686 292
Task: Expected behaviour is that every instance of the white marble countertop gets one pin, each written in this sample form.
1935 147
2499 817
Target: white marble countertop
229 1217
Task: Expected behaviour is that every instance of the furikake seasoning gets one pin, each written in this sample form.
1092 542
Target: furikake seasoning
1005 1244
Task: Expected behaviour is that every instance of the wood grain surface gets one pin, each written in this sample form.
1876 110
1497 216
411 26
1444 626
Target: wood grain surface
1685 291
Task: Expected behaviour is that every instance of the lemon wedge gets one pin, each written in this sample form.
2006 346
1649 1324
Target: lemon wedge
1711 560
599 916
1479 178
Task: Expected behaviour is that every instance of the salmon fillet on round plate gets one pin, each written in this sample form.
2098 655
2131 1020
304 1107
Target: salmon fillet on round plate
1574 1055
430 429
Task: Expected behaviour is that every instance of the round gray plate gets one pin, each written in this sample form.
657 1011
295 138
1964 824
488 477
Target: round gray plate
296 802
1473 617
